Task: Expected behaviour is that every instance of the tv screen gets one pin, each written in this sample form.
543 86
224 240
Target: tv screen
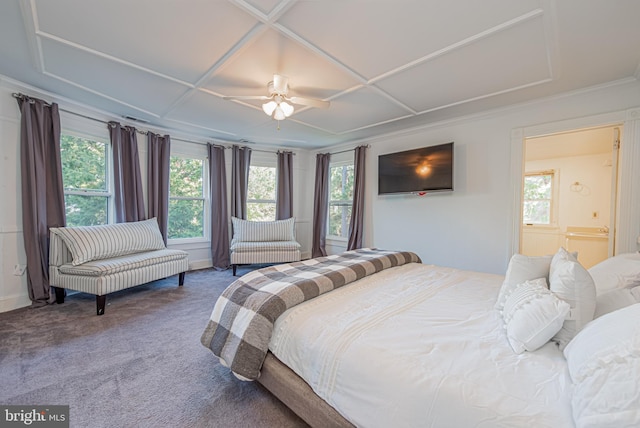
429 169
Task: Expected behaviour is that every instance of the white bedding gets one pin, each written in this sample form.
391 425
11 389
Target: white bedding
421 345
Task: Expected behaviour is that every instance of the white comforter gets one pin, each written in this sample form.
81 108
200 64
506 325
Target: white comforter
422 346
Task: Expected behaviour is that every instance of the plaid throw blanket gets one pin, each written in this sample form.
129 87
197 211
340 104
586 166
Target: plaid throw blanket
242 320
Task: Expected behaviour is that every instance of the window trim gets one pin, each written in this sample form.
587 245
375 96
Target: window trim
340 163
275 189
553 204
109 191
206 212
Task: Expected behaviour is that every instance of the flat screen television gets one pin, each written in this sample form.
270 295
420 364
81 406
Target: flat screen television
429 169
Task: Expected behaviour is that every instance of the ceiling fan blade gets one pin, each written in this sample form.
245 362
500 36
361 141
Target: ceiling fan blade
246 97
280 84
312 102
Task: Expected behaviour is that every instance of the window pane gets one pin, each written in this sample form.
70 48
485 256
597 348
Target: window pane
83 163
262 183
86 210
537 212
537 186
185 177
341 185
186 218
261 211
339 218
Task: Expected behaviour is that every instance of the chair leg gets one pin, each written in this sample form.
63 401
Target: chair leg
234 269
181 279
59 295
100 303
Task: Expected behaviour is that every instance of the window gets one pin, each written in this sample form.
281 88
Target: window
340 199
261 193
85 179
538 194
186 198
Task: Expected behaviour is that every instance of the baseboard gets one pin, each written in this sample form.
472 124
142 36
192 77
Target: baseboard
14 302
200 264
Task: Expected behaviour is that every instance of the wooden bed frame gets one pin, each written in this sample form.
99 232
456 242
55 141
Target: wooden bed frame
296 394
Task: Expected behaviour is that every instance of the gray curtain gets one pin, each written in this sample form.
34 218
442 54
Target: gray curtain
320 205
219 216
159 153
128 197
284 191
240 162
356 225
42 190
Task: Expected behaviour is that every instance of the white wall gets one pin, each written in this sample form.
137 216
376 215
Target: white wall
472 227
13 289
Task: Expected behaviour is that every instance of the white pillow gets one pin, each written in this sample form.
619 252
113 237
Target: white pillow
571 282
604 365
620 271
522 268
532 315
616 299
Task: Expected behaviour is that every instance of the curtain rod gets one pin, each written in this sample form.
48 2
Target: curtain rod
349 150
18 95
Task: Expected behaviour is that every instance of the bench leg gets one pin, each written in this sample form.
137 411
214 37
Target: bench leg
59 295
234 269
181 279
100 303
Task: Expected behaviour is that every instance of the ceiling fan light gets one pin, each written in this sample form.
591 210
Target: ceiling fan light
278 114
287 108
269 107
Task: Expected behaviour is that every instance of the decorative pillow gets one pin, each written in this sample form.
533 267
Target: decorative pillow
87 243
619 271
616 299
263 231
532 315
571 282
604 365
522 268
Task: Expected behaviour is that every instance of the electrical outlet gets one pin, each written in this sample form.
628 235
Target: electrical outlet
595 215
18 270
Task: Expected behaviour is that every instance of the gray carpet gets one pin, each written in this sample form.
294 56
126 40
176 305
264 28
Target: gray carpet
141 364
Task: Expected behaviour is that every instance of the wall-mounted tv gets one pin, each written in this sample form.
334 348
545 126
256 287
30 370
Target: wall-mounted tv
429 169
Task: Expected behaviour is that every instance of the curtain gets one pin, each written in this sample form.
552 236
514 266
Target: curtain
42 190
284 191
240 162
159 153
320 205
356 225
128 198
219 216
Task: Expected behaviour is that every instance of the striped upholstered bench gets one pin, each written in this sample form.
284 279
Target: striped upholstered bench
102 259
263 242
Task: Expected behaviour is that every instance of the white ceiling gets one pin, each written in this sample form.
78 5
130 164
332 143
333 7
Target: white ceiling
385 65
581 142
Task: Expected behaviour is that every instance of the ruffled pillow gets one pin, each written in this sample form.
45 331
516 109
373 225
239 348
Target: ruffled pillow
532 315
604 365
522 268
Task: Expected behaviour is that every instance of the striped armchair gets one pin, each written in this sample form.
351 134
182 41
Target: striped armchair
263 242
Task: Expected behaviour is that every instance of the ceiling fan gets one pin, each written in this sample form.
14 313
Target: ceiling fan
278 104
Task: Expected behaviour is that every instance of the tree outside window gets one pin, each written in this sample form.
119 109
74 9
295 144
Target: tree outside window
538 192
85 179
340 199
186 198
261 193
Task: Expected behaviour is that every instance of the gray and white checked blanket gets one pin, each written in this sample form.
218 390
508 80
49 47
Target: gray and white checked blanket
241 323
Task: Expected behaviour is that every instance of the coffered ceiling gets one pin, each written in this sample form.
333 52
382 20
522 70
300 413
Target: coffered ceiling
385 65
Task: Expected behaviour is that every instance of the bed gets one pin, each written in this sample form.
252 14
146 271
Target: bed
410 344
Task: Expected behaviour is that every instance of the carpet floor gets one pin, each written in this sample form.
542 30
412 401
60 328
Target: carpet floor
141 364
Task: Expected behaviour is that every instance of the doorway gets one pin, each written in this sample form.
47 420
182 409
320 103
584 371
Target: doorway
570 192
